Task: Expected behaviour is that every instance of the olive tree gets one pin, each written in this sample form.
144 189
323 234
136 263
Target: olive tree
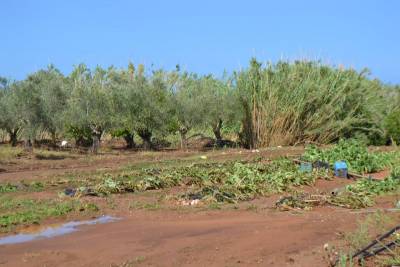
30 109
218 104
90 107
141 104
50 87
186 106
10 118
125 103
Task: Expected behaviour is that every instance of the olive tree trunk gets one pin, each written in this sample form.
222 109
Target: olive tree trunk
53 138
146 135
217 131
182 132
96 137
130 142
28 145
13 134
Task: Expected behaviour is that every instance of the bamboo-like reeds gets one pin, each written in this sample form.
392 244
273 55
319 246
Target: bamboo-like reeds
290 103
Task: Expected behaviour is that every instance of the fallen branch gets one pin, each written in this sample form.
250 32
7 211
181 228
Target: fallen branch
376 241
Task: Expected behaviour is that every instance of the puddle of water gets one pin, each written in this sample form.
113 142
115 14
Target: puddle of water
53 231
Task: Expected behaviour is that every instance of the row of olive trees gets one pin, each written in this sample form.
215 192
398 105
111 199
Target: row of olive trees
275 104
124 102
34 104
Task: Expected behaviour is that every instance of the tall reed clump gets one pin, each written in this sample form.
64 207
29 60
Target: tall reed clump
289 103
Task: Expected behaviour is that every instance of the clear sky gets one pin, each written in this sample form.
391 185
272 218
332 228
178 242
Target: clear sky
202 36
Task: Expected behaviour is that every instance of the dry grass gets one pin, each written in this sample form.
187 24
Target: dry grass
8 153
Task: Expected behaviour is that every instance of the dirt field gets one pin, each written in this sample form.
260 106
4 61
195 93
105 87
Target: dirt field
251 233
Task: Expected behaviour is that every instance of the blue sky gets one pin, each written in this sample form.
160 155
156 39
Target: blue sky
202 36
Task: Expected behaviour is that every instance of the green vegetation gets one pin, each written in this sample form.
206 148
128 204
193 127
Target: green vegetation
290 103
8 153
285 103
16 211
22 186
51 155
361 194
354 153
392 125
6 188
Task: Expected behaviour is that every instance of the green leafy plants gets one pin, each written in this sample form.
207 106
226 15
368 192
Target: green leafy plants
354 153
222 182
22 186
362 193
5 188
244 181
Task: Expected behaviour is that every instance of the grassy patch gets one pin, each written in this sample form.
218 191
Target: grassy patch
16 211
7 187
51 155
8 153
22 187
367 230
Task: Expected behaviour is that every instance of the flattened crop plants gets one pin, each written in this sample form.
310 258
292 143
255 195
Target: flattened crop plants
220 182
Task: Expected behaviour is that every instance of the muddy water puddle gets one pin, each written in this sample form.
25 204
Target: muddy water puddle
53 231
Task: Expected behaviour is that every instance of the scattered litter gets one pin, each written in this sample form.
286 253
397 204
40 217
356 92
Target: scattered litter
203 157
255 151
64 143
338 191
330 255
70 192
78 192
190 202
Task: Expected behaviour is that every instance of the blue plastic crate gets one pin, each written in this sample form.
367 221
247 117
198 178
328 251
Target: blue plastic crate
306 167
340 169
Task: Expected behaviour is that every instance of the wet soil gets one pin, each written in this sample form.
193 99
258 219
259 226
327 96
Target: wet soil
208 238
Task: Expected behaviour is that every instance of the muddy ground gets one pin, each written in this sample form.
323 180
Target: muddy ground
252 233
